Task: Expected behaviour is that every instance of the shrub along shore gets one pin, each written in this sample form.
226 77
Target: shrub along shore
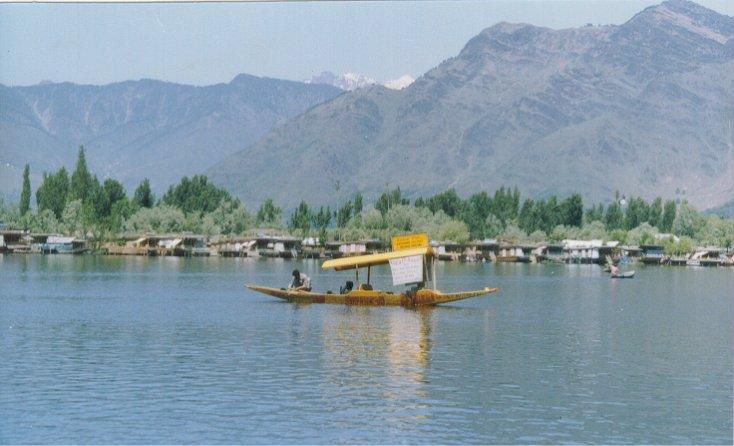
80 205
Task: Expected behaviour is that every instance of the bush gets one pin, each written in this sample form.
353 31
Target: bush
683 247
453 230
643 234
160 219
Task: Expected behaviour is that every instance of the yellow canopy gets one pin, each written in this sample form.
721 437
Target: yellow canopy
374 259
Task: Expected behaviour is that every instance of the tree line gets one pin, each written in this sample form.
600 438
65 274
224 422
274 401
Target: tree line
83 205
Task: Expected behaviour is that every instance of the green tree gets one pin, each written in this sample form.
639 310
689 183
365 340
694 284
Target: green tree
143 196
513 234
344 214
195 195
474 212
81 179
301 219
358 203
614 219
655 212
230 218
389 199
96 205
448 202
53 192
114 189
120 211
321 221
669 211
527 217
25 194
505 203
688 222
268 214
682 247
160 219
453 230
636 213
549 215
73 219
595 213
644 234
43 221
493 226
572 211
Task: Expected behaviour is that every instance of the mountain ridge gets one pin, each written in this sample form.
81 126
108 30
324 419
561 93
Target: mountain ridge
142 128
598 109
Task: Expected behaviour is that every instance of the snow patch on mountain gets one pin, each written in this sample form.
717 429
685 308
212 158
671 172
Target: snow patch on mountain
353 81
399 83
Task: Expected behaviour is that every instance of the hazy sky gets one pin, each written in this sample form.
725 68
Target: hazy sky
210 43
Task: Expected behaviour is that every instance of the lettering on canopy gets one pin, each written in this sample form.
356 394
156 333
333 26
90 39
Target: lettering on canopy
410 241
407 270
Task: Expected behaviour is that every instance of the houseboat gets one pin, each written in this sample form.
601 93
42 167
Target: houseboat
277 246
514 253
588 251
338 249
448 251
653 254
234 247
57 244
312 248
483 250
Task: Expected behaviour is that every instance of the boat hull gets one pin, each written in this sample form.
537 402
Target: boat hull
625 275
424 297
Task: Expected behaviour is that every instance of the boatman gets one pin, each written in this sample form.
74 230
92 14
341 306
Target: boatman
614 269
300 282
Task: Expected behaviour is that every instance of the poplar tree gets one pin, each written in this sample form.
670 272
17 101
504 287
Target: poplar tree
81 179
25 194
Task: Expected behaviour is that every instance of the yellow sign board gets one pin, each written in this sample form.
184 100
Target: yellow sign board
410 241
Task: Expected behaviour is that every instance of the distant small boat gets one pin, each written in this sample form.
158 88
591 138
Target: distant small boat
624 275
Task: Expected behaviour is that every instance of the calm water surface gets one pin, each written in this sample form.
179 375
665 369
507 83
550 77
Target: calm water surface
166 350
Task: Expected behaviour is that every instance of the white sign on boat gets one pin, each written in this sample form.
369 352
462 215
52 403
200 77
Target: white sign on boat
407 270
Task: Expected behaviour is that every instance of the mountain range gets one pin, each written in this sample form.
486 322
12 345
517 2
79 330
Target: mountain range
137 129
645 108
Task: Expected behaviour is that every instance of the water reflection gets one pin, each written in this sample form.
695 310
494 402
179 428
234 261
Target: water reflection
133 350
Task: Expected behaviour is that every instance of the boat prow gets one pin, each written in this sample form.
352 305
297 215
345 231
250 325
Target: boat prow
422 297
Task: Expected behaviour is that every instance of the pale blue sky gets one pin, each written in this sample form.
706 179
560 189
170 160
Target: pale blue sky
208 43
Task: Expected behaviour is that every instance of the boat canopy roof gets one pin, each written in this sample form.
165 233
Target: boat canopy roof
353 262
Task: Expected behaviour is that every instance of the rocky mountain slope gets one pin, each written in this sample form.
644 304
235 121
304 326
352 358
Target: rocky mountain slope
646 108
143 128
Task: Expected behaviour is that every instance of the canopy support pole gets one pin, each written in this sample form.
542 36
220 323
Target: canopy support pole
433 273
356 271
369 268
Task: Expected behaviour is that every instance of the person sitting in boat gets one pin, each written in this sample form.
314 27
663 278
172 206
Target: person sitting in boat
300 282
347 287
614 269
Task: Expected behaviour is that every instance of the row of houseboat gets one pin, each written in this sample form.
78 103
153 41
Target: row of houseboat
190 245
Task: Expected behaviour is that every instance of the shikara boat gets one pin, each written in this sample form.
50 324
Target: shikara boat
625 275
411 263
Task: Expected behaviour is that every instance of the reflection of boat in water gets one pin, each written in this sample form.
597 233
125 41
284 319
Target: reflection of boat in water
411 262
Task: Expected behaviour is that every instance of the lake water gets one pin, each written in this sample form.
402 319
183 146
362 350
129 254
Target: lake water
169 350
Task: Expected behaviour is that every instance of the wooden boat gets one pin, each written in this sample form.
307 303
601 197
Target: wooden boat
411 261
422 297
624 275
